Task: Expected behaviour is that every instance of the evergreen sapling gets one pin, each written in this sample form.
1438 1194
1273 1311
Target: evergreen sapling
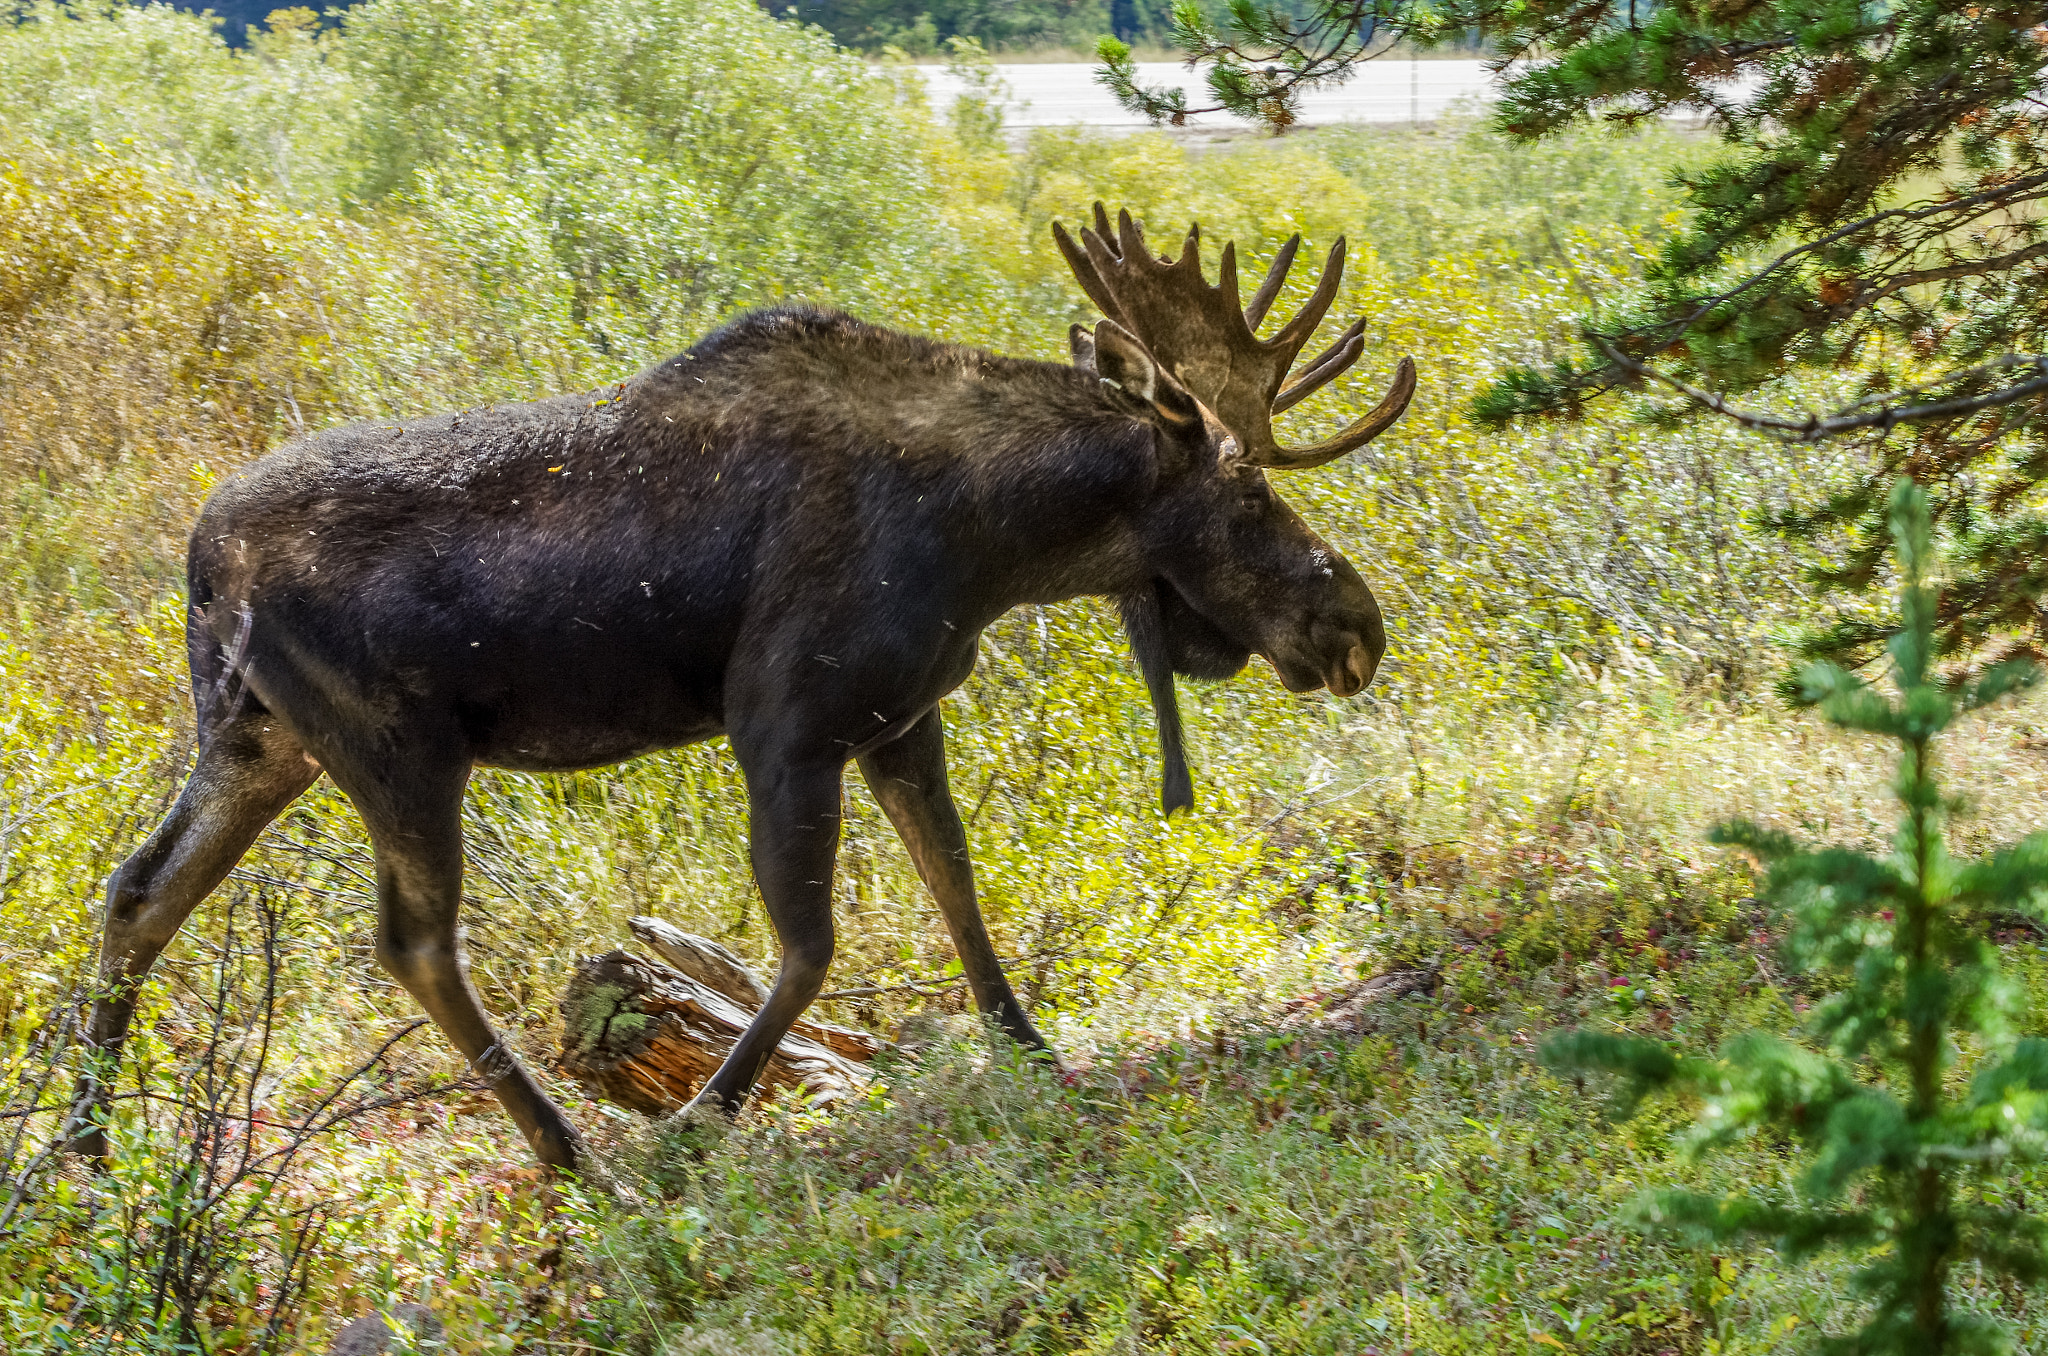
1892 1135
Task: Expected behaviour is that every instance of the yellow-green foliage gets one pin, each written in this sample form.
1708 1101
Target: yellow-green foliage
202 253
154 334
524 200
155 80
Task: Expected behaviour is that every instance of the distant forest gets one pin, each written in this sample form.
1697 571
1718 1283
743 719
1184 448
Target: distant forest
238 16
919 27
922 26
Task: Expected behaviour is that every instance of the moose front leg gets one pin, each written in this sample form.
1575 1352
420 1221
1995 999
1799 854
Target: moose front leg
908 776
794 838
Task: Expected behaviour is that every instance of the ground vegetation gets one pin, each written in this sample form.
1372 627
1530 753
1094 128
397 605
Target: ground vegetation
205 250
1893 1156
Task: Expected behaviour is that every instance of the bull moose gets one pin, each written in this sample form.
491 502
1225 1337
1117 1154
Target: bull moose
792 535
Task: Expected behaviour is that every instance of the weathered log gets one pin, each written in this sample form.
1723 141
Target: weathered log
702 960
717 968
646 1036
843 1041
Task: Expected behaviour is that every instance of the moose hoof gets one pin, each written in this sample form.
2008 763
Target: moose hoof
561 1149
695 1129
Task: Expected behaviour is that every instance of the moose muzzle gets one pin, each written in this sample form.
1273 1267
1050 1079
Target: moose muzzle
1362 660
1339 648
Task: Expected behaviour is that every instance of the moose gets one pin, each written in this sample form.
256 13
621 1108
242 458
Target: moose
792 534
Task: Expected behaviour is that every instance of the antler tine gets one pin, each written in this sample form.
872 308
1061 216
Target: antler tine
1130 238
1191 248
1327 365
1226 274
1102 221
1296 331
1276 278
1086 274
1105 264
1358 435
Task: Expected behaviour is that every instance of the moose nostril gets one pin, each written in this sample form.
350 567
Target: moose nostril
1360 664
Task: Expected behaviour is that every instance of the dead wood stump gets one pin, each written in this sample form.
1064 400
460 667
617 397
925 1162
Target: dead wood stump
646 1036
717 968
701 959
1351 1010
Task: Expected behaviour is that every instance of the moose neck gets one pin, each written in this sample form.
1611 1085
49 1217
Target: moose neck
1058 519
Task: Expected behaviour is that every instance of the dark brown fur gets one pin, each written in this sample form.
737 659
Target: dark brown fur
792 535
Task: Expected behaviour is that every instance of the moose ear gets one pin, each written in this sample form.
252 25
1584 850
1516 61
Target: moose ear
1082 345
1122 362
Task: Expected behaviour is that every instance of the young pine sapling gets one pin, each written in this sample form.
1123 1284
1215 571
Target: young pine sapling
1899 943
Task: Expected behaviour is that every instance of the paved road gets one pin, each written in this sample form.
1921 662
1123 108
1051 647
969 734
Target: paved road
1055 94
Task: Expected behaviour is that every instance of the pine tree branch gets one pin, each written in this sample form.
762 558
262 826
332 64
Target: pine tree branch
1816 427
1973 268
1265 66
1958 212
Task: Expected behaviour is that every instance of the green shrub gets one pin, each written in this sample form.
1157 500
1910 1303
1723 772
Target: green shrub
649 168
158 81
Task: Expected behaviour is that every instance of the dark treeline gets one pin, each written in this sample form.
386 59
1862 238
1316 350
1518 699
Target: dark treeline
238 16
920 27
923 26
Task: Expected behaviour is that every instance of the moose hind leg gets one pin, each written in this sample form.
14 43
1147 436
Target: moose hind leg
908 776
248 771
414 816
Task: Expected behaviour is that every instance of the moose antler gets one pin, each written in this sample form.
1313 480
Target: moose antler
1205 338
